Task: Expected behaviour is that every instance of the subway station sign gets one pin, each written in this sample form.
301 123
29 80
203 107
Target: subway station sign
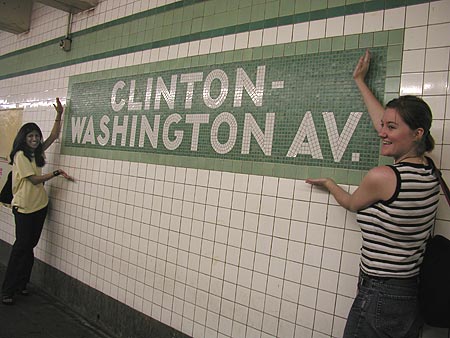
302 109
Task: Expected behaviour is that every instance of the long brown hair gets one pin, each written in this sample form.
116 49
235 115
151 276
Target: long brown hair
20 143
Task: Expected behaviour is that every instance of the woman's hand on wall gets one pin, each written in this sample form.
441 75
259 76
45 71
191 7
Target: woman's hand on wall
65 175
56 126
362 67
59 108
374 107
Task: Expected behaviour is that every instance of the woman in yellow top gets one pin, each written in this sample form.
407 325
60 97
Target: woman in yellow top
29 202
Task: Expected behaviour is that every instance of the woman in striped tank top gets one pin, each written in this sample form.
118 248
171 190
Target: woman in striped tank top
396 209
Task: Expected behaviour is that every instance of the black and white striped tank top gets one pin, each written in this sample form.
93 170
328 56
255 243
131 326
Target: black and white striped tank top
394 232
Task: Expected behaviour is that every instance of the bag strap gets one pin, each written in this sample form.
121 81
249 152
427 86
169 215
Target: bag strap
440 179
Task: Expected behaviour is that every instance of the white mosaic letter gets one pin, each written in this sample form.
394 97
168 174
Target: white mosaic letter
172 145
119 129
104 128
264 139
256 92
223 78
89 132
306 129
146 130
148 93
131 104
232 124
77 128
190 79
196 120
117 106
133 130
161 89
338 142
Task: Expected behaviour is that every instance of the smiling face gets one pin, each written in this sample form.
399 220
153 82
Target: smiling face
33 139
398 139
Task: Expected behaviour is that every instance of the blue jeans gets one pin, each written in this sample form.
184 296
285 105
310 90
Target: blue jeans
384 307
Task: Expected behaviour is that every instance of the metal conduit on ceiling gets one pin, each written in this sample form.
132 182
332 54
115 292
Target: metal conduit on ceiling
15 16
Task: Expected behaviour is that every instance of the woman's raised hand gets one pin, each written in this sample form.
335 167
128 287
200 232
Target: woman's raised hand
362 67
58 107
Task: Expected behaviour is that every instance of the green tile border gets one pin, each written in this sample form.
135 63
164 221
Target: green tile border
342 176
320 9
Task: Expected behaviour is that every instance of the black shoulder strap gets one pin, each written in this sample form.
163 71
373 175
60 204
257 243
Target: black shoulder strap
441 180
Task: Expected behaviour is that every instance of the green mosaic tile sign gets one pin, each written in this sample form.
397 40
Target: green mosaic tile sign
296 110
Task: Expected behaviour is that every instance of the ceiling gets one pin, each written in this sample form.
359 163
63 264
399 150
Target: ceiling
15 16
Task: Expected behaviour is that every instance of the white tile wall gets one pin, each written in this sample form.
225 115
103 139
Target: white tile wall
373 21
335 27
353 24
300 31
210 253
317 29
394 18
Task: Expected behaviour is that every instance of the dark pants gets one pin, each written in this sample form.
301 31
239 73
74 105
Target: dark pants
28 232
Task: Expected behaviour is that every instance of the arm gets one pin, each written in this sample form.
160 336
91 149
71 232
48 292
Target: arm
379 184
374 106
38 179
56 126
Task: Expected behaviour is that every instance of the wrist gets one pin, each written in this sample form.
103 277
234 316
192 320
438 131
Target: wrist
360 81
329 183
56 173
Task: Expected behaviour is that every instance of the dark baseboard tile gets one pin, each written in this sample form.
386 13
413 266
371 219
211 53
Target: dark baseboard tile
97 308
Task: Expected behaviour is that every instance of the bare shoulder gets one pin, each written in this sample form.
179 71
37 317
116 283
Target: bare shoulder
383 179
381 173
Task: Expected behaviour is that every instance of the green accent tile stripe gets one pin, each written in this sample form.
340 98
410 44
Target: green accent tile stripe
178 22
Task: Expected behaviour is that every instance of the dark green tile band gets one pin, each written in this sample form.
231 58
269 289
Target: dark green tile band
88 44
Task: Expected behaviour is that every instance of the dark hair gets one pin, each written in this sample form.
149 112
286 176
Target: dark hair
417 114
20 143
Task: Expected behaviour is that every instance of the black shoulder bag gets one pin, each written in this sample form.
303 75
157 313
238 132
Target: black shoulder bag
434 286
6 195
